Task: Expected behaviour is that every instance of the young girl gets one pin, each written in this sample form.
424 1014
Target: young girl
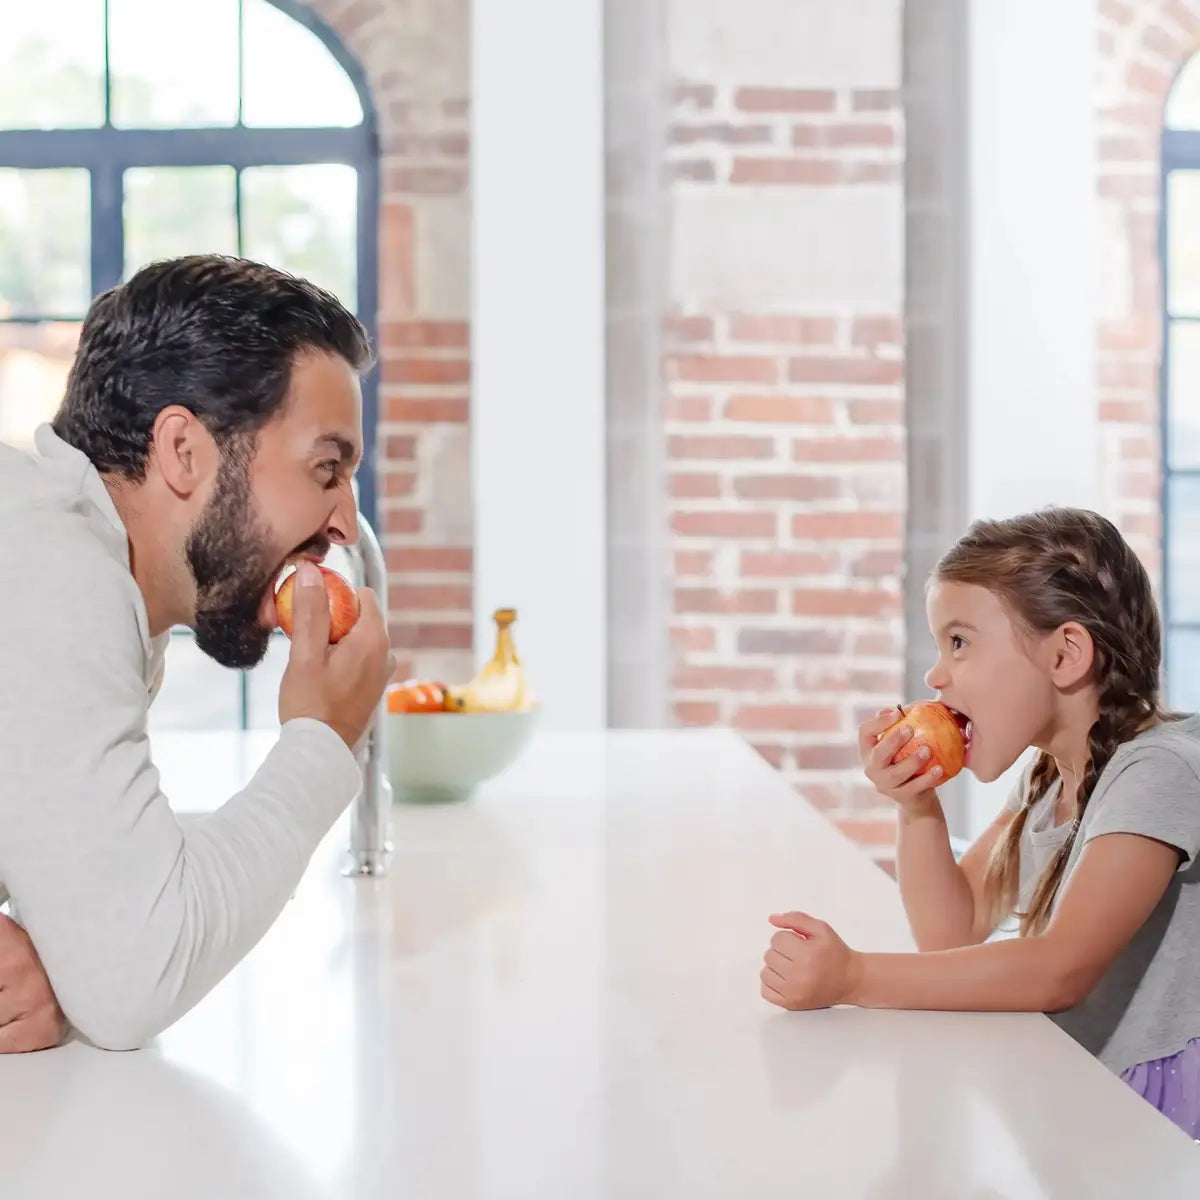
1047 636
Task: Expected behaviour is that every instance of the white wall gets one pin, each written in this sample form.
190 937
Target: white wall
1032 429
537 419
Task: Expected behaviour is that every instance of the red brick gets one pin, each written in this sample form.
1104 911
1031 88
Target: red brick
1127 411
402 520
875 100
397 272
787 564
701 95
1115 11
798 717
424 334
724 678
1127 375
1139 485
693 562
696 712
848 449
1132 115
1137 447
697 639
398 483
876 564
876 488
713 600
876 412
877 643
1128 187
874 525
829 602
722 133
1140 332
819 369
704 448
875 331
789 330
400 446
883 683
790 641
1146 524
458 107
1151 80
1157 39
432 636
724 524
1184 15
860 134
773 754
1126 149
692 171
429 558
814 677
868 831
688 408
784 100
425 181
871 172
430 597
781 409
694 487
689 329
819 171
425 370
358 15
437 409
801 488
826 758
712 368
805 137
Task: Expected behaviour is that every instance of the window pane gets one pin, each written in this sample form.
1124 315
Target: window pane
1183 243
1183 440
304 220
1183 104
291 79
197 693
1183 670
178 210
52 65
45 242
173 64
1183 548
34 362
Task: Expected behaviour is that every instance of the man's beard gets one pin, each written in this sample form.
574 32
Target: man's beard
229 554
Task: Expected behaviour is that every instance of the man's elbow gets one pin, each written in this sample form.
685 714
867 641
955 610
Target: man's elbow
114 1024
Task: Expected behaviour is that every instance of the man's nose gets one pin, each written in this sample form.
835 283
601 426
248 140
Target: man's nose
342 529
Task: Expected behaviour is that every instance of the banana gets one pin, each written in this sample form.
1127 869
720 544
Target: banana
500 685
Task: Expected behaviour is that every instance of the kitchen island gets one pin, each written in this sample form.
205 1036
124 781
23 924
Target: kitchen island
554 993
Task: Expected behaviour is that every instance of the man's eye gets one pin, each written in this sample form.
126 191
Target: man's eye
331 466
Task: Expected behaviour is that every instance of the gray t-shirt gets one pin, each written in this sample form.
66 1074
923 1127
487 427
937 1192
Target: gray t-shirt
1147 1004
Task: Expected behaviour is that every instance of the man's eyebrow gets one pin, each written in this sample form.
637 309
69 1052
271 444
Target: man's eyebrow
346 449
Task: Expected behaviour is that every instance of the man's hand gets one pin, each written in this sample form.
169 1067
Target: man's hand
30 1018
807 964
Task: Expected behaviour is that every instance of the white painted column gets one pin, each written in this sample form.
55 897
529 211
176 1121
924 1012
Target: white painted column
538 397
1032 428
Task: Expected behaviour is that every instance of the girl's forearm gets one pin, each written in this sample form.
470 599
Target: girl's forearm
1020 975
936 895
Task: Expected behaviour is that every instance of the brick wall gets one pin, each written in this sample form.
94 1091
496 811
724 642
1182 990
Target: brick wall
784 401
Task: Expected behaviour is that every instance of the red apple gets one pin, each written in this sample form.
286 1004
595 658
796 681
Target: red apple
937 726
343 604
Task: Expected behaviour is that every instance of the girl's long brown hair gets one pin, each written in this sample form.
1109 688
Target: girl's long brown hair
1051 567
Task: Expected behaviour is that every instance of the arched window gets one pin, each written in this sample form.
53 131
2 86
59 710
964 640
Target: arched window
132 130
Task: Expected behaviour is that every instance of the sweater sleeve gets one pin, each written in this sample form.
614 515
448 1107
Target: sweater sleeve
135 915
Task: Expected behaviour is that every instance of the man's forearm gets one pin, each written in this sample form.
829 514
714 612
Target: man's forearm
936 895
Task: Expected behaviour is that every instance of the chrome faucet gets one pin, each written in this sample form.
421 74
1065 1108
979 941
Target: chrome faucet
370 817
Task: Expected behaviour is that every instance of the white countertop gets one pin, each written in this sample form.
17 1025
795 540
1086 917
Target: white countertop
555 994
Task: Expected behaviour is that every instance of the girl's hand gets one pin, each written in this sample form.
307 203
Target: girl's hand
808 965
900 782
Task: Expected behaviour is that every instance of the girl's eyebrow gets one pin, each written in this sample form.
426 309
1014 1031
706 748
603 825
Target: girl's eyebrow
956 624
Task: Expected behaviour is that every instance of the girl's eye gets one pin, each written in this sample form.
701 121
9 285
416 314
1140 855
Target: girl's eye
956 642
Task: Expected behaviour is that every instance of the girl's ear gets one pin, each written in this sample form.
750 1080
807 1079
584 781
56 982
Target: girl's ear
1072 653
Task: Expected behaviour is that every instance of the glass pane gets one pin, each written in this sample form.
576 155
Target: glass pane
45 242
171 211
290 78
52 65
173 64
304 220
197 693
1183 548
34 362
1183 670
1183 440
1183 243
1183 104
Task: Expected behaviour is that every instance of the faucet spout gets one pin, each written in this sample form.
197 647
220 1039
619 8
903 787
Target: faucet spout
370 816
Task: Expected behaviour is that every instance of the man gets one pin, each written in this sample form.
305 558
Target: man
207 438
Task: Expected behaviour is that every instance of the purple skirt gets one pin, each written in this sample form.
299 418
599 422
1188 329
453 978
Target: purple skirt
1172 1085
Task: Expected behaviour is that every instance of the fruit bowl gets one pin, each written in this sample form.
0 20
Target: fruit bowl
440 756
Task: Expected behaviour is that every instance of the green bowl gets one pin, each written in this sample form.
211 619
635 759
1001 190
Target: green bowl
436 757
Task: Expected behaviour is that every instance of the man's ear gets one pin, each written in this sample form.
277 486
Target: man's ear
182 450
1072 652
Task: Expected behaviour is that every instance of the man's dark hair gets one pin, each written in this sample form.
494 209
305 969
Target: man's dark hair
215 334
